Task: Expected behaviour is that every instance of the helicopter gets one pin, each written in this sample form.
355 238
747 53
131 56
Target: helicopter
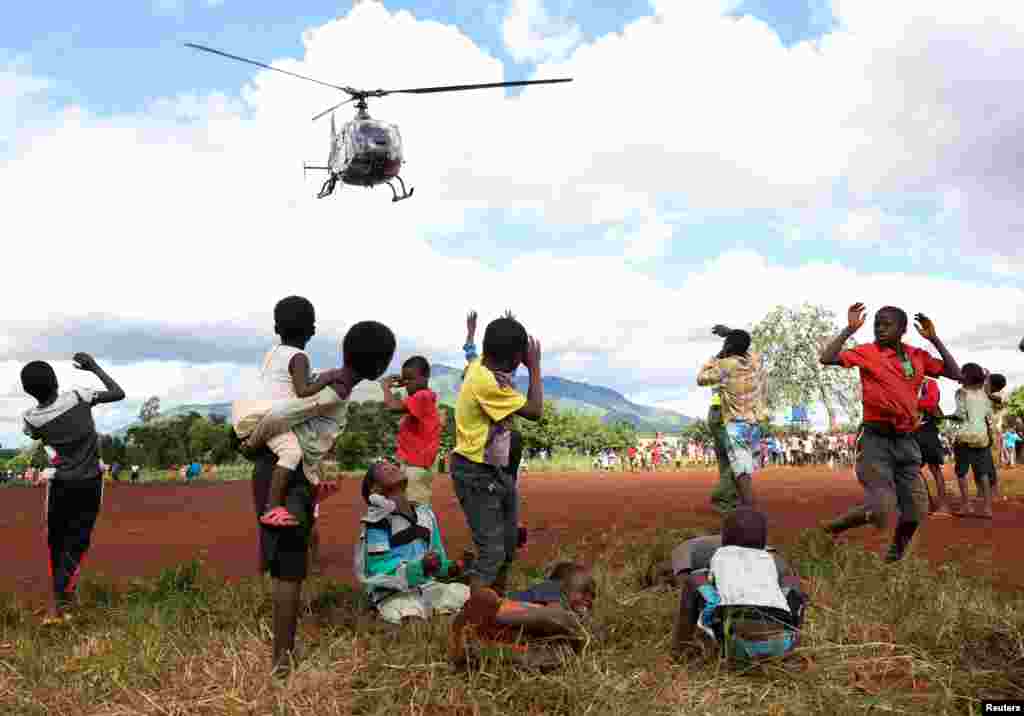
366 152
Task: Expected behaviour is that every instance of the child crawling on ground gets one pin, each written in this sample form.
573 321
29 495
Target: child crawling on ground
555 609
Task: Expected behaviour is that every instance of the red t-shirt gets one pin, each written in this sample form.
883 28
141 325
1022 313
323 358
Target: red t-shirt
419 432
890 397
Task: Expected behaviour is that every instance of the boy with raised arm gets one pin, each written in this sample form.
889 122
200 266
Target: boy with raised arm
74 493
888 462
419 431
487 493
738 375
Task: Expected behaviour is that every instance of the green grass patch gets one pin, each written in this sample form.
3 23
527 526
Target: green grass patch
908 638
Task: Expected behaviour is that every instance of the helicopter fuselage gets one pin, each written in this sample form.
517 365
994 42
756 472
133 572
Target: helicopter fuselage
366 153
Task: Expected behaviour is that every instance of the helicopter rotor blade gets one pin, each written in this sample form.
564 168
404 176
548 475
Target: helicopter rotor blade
328 111
458 88
268 67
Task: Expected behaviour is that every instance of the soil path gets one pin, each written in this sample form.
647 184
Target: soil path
146 528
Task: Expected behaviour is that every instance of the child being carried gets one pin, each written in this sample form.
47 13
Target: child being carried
300 415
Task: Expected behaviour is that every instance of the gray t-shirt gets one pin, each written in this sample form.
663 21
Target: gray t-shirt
67 426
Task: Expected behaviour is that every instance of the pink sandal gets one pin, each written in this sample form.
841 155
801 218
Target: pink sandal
278 517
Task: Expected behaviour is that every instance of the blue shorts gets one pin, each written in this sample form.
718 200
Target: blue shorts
742 443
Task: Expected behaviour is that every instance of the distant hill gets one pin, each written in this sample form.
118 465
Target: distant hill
609 404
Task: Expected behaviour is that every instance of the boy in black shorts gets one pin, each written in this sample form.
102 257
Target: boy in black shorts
64 423
996 382
927 437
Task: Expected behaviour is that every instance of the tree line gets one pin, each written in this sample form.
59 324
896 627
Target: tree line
163 442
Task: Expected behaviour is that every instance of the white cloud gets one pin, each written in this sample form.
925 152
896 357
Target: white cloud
532 34
861 226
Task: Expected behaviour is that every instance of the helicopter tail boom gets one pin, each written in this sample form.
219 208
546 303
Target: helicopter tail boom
310 167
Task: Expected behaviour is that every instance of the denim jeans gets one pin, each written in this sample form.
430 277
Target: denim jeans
490 501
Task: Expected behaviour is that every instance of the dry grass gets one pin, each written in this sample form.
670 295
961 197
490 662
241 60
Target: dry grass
878 638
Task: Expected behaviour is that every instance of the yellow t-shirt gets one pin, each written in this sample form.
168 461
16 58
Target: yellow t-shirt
481 403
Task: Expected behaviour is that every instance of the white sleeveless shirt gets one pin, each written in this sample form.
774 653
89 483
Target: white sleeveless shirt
277 379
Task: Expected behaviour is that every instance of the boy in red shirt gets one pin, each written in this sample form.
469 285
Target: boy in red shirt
419 432
888 457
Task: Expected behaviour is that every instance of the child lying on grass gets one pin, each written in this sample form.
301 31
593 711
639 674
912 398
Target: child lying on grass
546 615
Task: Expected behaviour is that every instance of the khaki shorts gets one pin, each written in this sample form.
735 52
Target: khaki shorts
420 479
889 470
422 603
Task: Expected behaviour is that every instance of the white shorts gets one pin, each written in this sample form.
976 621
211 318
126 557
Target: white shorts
424 602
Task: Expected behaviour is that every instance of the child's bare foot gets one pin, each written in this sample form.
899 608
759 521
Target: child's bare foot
278 517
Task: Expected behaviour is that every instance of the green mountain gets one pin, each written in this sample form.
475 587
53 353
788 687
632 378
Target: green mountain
609 404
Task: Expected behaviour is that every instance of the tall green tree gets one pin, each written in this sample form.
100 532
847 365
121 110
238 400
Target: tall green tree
790 340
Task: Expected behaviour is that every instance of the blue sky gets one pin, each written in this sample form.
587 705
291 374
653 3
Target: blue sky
710 161
116 56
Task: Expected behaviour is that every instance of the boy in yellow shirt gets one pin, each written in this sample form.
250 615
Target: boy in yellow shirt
486 490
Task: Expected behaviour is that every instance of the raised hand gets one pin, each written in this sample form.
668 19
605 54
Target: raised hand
856 316
471 324
533 354
925 326
84 361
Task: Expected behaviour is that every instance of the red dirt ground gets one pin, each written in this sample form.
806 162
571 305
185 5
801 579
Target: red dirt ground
146 528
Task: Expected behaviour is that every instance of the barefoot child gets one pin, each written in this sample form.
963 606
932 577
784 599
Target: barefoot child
888 463
419 431
557 607
927 437
74 492
972 444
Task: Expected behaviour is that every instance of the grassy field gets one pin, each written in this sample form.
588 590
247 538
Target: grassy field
878 638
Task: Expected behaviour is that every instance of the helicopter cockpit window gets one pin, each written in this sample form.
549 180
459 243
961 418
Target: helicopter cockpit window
373 137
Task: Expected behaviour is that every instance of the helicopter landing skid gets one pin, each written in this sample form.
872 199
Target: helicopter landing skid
405 194
328 188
